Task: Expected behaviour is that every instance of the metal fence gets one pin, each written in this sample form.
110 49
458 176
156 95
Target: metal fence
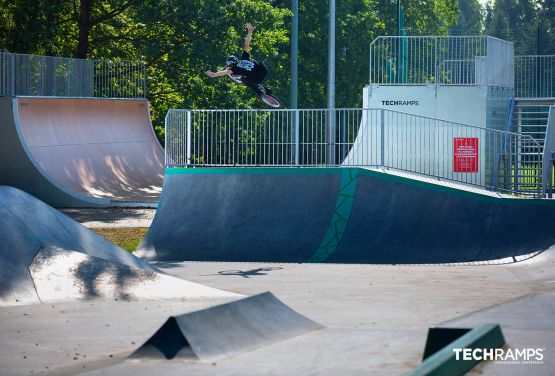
441 149
441 60
33 75
258 137
535 76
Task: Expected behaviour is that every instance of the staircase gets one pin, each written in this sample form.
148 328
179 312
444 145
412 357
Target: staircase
530 118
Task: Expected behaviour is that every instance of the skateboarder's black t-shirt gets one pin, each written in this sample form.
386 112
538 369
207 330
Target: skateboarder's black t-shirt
253 70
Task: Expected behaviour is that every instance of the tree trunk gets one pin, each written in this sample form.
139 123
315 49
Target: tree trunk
84 24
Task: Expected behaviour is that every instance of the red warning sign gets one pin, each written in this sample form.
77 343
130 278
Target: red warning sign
465 154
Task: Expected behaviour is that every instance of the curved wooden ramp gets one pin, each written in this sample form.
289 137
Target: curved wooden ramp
81 151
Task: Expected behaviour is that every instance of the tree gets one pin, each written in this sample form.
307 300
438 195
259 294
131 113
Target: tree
93 13
178 40
547 27
515 21
358 22
469 18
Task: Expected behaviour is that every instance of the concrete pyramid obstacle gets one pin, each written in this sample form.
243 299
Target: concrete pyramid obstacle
227 329
45 256
61 275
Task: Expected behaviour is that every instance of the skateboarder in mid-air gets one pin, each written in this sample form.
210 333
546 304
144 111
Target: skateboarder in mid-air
248 72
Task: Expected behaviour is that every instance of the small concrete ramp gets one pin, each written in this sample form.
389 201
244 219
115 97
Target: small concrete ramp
342 215
80 152
46 256
224 330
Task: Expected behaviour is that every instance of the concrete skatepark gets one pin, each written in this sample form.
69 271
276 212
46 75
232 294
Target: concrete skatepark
371 318
362 318
254 269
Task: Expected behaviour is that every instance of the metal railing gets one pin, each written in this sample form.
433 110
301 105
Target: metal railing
258 137
535 76
441 60
549 154
32 75
436 148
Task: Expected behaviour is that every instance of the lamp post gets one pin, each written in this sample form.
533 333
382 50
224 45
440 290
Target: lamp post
294 77
331 87
294 53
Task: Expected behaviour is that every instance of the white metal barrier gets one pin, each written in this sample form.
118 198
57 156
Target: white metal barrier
441 60
535 76
33 75
477 156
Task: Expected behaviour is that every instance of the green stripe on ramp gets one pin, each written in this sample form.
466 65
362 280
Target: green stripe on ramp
341 215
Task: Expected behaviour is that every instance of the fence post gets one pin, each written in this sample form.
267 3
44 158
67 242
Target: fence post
189 137
382 137
370 63
550 182
12 74
144 80
331 137
297 137
548 151
166 130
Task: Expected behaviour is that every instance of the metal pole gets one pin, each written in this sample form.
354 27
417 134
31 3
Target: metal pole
13 70
382 137
189 137
537 85
297 138
399 17
294 52
166 129
399 53
331 86
294 75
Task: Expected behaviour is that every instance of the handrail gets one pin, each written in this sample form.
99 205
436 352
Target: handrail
548 153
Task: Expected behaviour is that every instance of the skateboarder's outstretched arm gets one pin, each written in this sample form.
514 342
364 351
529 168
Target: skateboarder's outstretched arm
250 29
225 72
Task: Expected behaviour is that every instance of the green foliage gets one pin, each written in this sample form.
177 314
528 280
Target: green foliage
178 40
530 24
358 22
470 18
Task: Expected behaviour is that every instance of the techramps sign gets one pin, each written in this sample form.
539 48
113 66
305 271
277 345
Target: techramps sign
342 215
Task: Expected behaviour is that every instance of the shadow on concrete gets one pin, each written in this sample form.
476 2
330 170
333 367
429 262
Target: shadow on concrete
249 273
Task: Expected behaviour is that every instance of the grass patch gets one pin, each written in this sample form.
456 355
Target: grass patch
127 238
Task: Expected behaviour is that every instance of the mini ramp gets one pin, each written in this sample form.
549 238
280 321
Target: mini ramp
344 215
227 329
80 152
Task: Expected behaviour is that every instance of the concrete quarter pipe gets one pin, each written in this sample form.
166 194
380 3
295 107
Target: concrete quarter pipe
80 152
345 215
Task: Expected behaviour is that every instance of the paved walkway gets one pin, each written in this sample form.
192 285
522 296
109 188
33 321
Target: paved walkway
112 217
